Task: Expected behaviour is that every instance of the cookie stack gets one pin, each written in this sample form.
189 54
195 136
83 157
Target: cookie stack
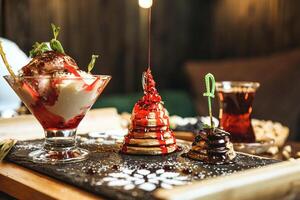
213 146
149 133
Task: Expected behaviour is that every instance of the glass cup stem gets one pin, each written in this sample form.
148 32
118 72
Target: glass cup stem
60 139
59 147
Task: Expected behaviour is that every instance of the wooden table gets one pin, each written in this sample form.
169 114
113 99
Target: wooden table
23 183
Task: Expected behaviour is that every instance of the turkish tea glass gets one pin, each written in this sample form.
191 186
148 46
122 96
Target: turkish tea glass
59 104
236 99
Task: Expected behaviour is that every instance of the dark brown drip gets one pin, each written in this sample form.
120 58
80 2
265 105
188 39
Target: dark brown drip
149 37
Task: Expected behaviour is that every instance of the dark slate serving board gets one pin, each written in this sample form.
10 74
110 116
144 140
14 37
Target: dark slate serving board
118 176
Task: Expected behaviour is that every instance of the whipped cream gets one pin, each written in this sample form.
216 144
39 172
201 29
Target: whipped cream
73 99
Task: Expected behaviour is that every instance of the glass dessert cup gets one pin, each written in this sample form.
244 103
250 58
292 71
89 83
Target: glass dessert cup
59 103
236 99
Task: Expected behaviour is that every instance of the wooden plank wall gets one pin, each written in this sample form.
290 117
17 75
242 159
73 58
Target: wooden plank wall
1 17
182 30
254 27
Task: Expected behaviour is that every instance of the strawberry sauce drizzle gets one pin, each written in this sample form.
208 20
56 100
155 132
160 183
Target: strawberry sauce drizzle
92 86
73 71
162 142
48 64
27 87
48 120
149 115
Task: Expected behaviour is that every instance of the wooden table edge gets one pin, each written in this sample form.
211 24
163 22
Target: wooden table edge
23 183
268 182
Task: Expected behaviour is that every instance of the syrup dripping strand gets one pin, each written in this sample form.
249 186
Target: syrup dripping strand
149 37
162 142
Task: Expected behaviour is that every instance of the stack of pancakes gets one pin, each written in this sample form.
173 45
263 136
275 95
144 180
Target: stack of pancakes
213 146
149 133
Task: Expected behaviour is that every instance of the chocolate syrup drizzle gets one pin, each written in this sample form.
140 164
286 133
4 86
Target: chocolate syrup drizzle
148 114
149 36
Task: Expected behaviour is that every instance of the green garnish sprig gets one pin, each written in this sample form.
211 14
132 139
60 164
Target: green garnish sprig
5 147
210 84
55 45
92 63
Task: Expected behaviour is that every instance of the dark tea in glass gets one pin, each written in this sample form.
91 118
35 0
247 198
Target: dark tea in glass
236 99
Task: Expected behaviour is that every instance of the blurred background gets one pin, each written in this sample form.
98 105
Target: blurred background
253 40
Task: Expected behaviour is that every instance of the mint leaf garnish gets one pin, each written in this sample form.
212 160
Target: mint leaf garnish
39 48
54 43
55 30
92 63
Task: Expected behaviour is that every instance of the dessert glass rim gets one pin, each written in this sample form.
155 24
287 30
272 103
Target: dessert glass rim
92 76
233 84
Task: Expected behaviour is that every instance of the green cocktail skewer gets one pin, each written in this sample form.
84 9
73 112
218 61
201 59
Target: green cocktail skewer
210 84
3 56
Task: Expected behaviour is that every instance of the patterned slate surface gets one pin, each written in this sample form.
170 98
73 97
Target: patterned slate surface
118 176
